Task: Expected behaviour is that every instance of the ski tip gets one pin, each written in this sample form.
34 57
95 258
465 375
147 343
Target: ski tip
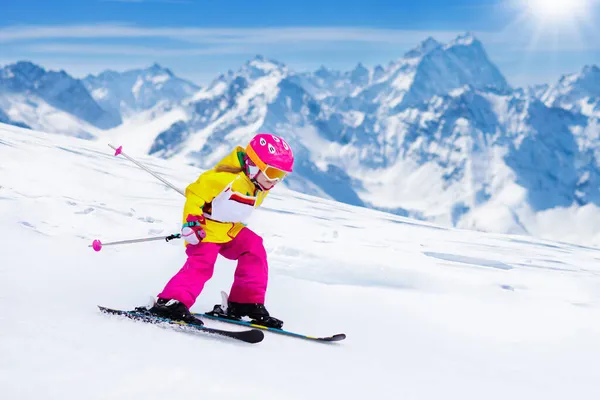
254 336
335 338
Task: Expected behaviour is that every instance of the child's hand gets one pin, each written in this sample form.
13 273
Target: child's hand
192 230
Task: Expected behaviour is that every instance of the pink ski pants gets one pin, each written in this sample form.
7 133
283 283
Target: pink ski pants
251 274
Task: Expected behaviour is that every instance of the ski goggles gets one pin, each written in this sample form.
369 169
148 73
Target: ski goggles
274 174
271 173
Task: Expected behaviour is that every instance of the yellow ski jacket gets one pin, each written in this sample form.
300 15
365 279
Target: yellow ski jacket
225 199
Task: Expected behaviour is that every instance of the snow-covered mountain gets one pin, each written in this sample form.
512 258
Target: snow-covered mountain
429 312
495 162
437 134
129 92
262 96
32 96
433 68
579 92
324 83
5 119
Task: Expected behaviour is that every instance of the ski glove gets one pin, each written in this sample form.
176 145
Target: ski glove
192 230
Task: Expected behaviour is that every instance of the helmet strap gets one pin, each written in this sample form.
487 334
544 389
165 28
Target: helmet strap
258 185
252 172
250 168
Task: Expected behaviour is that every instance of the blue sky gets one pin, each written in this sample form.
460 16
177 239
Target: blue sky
198 39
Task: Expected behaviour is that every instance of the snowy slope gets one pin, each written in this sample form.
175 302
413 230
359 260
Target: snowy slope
430 312
139 131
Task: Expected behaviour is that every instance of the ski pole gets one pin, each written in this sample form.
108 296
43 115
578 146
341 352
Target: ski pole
119 150
97 244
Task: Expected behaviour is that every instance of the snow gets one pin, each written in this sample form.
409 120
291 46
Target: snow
264 65
499 105
577 92
100 93
353 118
403 81
130 92
140 131
264 86
38 114
159 79
139 83
430 312
217 90
463 40
30 87
586 106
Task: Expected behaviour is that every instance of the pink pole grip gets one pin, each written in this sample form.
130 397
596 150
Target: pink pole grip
119 150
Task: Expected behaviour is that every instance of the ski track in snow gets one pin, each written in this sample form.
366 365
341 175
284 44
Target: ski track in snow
430 312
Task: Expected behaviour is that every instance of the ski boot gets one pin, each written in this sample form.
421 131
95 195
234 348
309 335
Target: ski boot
173 309
257 312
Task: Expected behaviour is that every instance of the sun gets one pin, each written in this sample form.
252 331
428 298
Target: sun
556 10
551 25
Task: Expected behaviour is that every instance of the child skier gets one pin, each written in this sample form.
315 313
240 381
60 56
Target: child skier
217 206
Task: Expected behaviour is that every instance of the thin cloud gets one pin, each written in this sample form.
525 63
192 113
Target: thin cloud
223 35
235 38
132 50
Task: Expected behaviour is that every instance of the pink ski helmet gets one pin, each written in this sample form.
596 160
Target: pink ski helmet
271 154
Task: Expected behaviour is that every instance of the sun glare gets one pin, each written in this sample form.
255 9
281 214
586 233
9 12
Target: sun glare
556 10
552 25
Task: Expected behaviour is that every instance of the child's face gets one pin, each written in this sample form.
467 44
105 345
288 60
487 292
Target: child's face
265 182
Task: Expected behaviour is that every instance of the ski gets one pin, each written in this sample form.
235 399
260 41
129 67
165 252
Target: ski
248 336
334 338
